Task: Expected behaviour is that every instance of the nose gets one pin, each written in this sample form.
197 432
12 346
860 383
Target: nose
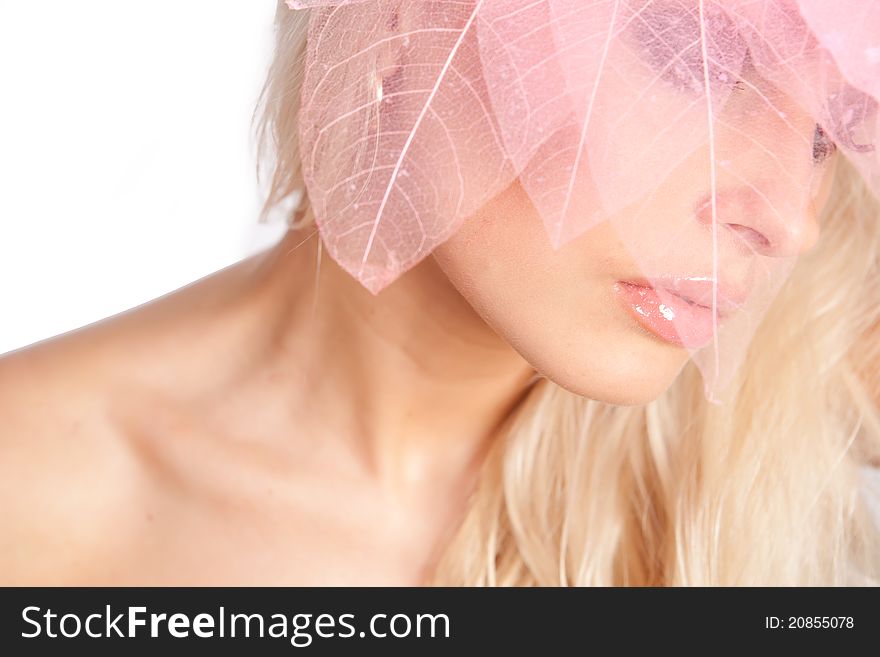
768 228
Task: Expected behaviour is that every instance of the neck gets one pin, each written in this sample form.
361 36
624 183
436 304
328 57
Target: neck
412 379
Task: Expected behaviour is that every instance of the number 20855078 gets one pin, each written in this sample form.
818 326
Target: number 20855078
808 622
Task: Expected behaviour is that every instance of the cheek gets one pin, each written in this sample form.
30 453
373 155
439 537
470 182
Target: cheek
557 308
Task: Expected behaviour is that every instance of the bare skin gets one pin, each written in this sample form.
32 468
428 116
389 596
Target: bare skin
237 432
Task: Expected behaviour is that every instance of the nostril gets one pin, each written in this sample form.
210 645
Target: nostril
750 235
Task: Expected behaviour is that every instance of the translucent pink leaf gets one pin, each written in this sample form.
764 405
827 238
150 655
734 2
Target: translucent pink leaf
850 31
310 4
787 51
399 144
570 75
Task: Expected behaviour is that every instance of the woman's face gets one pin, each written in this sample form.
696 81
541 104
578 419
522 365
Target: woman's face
589 128
615 313
574 313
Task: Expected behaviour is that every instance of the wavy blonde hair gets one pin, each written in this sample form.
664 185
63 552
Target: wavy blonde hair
763 490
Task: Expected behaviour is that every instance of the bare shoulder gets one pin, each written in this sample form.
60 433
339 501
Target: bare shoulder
62 473
71 478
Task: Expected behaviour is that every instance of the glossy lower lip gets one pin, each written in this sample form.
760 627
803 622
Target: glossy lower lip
671 318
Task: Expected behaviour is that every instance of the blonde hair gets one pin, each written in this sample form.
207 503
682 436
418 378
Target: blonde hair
763 490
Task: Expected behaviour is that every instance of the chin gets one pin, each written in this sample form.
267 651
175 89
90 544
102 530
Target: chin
634 371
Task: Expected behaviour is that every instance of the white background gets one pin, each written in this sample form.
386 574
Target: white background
126 153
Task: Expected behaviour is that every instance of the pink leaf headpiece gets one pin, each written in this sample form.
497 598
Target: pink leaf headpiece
415 113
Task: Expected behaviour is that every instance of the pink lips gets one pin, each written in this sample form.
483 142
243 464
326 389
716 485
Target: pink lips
679 310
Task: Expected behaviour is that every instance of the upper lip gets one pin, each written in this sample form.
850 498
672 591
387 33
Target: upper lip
698 290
